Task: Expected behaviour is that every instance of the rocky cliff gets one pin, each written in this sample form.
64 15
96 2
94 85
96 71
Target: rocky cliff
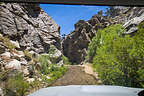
27 33
30 26
76 43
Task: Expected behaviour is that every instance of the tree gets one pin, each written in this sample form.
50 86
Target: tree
119 59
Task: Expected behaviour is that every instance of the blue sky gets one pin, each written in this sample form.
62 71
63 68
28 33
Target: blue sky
67 15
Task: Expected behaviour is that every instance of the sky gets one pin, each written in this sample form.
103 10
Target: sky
68 15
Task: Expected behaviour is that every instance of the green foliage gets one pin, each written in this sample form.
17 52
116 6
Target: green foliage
16 86
118 59
44 60
52 49
49 66
98 40
27 55
66 60
138 53
55 73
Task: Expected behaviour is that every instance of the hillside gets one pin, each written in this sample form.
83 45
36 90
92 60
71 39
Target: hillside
29 48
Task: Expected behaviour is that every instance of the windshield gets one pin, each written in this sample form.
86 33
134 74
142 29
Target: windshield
48 45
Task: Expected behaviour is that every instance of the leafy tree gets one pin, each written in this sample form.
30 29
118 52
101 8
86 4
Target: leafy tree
138 53
98 40
118 59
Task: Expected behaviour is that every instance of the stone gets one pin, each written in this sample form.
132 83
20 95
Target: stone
15 43
25 71
48 77
23 61
1 92
2 49
6 54
39 79
57 54
1 35
49 62
34 54
18 54
30 80
60 63
131 25
14 64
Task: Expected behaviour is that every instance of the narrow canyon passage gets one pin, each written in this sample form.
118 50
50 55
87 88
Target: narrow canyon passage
78 75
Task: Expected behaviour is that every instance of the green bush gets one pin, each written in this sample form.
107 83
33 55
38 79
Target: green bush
7 42
66 60
118 59
49 66
43 59
16 86
98 39
27 55
52 49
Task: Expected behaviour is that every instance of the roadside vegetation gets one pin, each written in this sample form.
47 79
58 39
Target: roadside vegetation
118 58
43 71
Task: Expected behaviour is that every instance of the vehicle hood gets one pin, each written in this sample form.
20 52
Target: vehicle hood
87 90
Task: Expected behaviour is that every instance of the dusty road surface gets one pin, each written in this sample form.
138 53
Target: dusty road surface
78 75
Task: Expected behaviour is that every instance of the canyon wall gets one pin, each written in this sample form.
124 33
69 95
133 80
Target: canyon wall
75 45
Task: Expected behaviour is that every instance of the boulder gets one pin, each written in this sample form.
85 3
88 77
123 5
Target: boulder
14 64
48 77
55 56
6 54
2 49
131 25
33 53
25 71
1 92
60 63
15 43
18 54
23 61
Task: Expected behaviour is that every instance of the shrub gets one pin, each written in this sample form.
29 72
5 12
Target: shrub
98 40
49 66
119 59
16 86
66 60
7 42
52 49
27 55
43 59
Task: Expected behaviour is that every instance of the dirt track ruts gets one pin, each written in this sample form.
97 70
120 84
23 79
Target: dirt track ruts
77 75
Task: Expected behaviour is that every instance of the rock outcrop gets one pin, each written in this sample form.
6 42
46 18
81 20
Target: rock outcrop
75 44
26 32
137 16
30 26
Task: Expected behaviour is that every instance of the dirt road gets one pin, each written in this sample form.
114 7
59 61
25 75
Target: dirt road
78 75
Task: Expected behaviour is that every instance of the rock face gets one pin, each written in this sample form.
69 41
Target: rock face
26 32
30 26
75 45
131 25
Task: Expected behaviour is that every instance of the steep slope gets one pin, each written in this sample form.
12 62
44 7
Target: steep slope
76 43
29 47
